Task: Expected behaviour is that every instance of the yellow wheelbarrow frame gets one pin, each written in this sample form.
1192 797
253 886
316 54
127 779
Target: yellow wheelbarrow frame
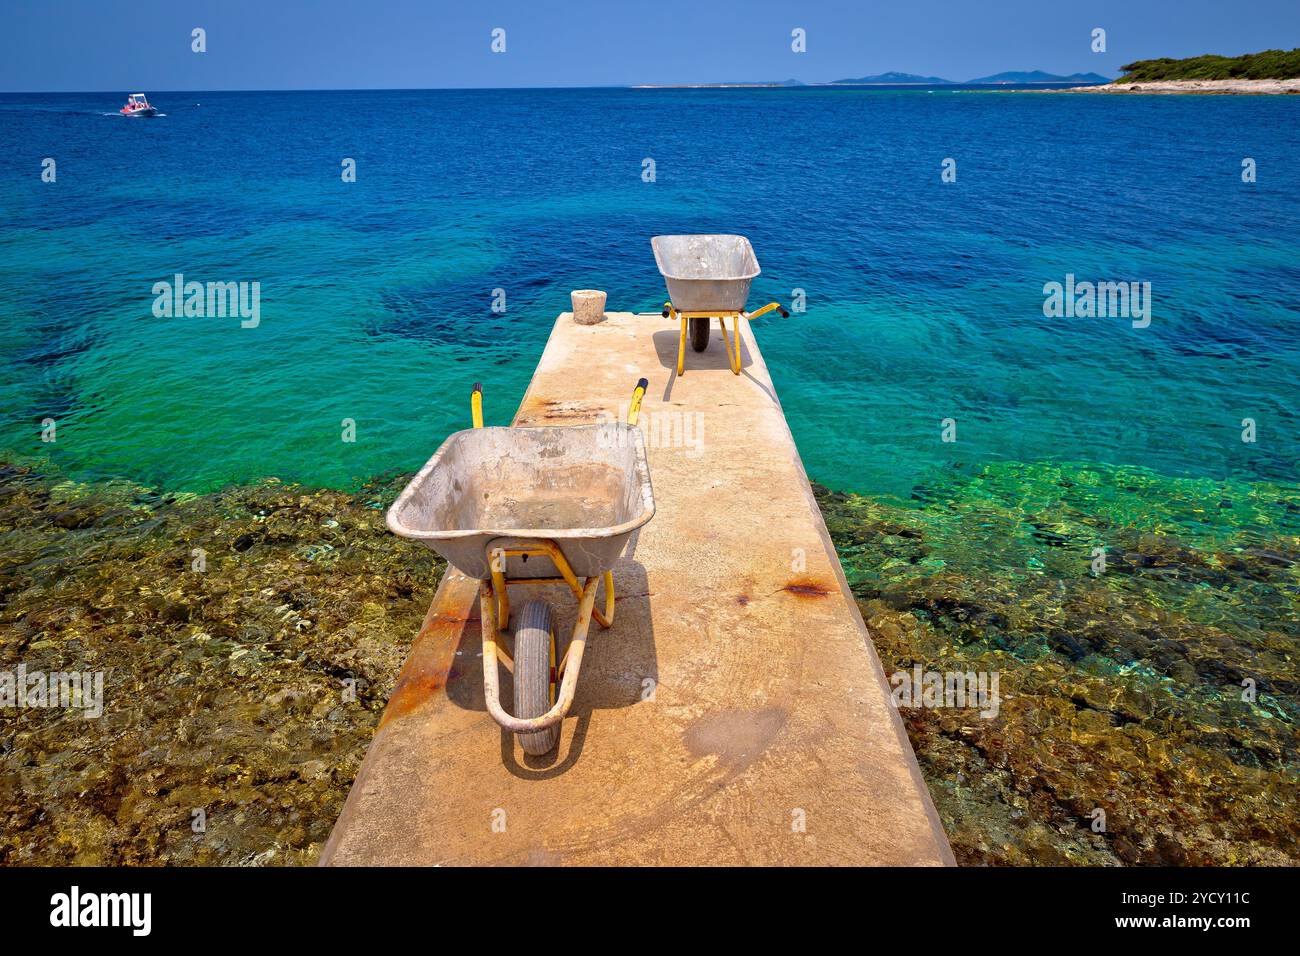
494 608
733 353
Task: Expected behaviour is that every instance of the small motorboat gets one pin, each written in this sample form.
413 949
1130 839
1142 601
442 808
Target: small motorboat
138 105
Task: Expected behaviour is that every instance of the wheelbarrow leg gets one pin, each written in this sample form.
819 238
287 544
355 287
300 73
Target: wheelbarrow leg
681 348
606 619
727 344
497 562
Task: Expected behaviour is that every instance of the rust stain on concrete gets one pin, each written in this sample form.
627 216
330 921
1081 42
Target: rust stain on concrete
553 411
807 588
427 670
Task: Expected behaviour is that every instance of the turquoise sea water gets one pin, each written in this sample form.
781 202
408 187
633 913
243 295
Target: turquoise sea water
924 299
1075 436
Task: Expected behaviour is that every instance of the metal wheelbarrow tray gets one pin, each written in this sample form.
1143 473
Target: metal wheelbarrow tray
707 276
540 505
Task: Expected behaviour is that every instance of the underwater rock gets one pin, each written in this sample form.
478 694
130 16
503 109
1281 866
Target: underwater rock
1123 736
242 680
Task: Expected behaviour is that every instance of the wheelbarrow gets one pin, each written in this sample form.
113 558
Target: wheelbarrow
529 506
708 276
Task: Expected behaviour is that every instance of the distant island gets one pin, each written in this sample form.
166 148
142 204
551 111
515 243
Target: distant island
1038 76
1014 78
741 84
894 79
1021 77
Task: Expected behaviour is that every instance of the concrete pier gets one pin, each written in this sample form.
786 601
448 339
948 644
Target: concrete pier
736 712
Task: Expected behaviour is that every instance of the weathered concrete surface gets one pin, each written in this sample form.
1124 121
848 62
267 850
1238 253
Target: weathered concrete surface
736 713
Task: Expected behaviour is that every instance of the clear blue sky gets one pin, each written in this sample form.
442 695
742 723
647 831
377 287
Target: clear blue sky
53 45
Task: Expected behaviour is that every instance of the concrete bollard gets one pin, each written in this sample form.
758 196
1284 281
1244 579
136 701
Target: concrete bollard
588 306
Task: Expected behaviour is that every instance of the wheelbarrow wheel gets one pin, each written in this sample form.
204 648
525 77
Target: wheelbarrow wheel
700 334
535 682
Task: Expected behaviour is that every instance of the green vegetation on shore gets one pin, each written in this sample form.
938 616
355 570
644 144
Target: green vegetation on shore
1269 65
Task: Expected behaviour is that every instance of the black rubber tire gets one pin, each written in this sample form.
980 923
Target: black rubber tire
699 334
534 643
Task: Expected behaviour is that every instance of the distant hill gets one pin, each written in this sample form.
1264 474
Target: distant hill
1269 65
894 78
1038 76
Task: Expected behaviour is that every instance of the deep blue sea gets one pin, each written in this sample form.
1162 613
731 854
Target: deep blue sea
924 298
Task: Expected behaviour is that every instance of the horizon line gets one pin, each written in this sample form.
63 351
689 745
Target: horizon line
761 84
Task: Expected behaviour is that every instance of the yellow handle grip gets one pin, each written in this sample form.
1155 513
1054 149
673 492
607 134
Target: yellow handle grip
638 393
766 309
